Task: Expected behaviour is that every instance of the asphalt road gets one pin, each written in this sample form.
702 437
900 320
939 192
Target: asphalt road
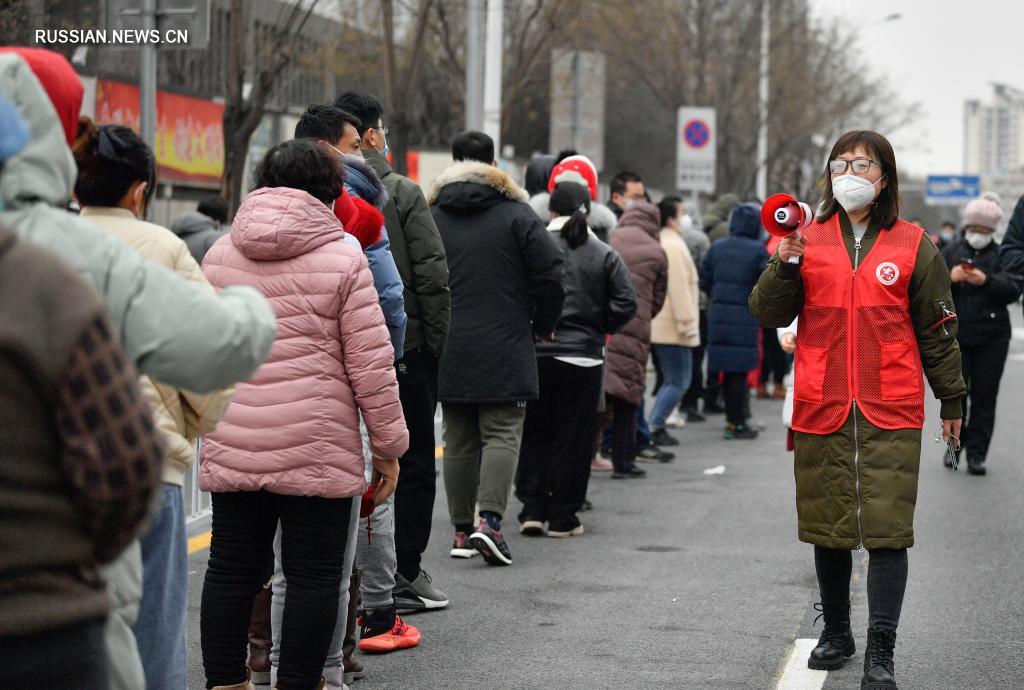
687 580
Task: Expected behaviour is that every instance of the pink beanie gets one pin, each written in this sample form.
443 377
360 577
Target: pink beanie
983 212
578 169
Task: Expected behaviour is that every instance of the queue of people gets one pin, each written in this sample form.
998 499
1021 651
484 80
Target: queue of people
310 342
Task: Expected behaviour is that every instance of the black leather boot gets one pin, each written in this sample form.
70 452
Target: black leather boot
836 641
878 665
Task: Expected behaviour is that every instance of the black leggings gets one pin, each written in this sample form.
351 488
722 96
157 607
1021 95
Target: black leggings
887 581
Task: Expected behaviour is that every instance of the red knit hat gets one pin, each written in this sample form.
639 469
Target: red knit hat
578 169
58 78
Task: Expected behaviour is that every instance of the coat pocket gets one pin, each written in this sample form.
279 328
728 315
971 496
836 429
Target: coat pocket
809 376
900 374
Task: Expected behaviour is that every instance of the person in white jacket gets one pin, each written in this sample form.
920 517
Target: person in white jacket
675 331
787 340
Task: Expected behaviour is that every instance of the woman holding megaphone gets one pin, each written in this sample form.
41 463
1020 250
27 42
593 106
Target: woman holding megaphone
873 296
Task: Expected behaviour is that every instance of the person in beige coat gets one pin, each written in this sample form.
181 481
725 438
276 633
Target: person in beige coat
675 330
116 176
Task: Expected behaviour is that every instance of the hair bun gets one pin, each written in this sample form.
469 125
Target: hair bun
85 136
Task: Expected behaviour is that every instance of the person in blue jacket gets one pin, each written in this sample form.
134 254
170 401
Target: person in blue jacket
730 271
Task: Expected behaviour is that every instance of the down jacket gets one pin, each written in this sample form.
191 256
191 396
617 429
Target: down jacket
227 336
294 427
636 240
731 269
505 274
180 415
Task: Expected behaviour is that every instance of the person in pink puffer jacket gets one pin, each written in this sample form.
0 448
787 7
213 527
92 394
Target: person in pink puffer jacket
288 448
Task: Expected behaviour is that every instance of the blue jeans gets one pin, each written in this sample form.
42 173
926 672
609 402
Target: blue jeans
676 363
160 628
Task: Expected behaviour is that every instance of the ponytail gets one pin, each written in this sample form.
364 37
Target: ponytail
576 232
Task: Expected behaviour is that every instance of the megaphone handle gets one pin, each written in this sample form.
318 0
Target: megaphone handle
795 259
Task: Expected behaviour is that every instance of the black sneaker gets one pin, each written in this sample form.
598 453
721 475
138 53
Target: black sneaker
587 505
739 432
629 473
695 417
655 454
713 408
660 437
418 595
491 545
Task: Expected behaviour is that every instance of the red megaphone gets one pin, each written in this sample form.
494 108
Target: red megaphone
782 215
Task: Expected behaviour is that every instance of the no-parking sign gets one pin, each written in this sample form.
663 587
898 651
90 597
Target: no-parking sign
695 149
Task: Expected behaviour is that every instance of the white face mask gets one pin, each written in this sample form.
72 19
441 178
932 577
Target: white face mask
852 192
630 203
978 240
686 222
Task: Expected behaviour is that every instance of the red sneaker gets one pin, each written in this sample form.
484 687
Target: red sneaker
401 636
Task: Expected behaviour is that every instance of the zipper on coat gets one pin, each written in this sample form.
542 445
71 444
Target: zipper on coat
853 383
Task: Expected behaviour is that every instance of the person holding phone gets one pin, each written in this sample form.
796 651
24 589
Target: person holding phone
982 289
873 296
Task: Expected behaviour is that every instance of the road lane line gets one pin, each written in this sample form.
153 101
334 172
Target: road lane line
796 675
202 541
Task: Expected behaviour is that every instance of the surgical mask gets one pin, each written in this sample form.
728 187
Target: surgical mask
686 222
387 149
630 203
978 240
947 236
852 192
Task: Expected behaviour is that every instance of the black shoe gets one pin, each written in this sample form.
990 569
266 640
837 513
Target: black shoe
739 432
694 417
655 454
661 437
836 641
629 473
713 408
587 505
491 545
977 468
879 669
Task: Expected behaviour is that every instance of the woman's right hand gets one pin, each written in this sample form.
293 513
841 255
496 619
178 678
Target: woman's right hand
790 246
788 343
384 478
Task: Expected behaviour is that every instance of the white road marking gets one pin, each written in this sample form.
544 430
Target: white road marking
796 675
717 469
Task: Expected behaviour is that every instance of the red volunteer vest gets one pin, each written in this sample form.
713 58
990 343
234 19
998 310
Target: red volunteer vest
855 340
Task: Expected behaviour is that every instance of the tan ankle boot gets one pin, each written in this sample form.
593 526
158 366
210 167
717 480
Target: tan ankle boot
244 685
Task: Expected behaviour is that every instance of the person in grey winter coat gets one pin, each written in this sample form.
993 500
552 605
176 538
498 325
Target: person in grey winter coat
506 281
171 330
199 229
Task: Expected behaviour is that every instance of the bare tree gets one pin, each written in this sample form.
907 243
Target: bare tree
243 113
401 93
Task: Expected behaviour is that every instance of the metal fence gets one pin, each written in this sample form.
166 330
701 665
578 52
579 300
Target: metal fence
197 503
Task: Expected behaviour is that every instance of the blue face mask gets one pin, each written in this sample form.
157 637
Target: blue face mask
387 149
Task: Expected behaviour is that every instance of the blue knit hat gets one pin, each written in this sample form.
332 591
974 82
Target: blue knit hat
13 131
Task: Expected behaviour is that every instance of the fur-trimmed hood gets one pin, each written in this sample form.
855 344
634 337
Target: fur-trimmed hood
469 186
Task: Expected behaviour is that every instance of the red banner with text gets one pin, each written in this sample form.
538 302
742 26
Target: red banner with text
189 131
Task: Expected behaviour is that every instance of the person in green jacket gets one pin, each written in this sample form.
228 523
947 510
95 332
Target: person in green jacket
856 480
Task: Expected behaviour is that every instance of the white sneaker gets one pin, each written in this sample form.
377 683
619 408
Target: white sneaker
676 420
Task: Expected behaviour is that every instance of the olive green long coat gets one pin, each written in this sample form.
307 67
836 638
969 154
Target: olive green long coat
857 487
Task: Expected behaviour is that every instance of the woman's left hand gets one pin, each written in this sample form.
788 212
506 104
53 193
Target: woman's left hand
951 427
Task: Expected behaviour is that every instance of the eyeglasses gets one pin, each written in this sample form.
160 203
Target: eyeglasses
383 130
860 166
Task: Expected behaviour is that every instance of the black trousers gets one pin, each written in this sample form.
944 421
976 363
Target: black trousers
414 496
313 535
558 443
774 360
887 582
75 656
983 368
623 433
696 390
737 398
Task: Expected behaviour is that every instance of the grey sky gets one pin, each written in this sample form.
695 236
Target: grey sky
938 53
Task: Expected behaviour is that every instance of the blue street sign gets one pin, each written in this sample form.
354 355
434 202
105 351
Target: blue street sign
952 189
697 133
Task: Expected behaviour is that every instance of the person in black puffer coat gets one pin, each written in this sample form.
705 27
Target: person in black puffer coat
982 289
731 269
560 429
505 275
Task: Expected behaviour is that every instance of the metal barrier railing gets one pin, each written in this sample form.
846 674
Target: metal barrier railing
197 503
